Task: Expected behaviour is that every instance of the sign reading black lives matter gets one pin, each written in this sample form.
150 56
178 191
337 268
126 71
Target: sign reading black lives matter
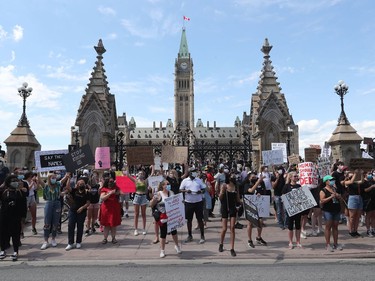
251 212
298 200
78 158
51 160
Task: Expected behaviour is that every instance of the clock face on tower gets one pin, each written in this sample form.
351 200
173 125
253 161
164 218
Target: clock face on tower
183 65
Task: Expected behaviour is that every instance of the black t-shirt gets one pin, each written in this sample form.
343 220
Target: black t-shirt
12 204
260 189
79 199
339 177
94 194
332 206
278 189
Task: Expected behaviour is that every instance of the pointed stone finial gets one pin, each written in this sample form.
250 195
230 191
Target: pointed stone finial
100 48
266 48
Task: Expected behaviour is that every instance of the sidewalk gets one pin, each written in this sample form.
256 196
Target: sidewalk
132 248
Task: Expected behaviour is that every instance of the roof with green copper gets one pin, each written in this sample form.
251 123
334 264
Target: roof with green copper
184 50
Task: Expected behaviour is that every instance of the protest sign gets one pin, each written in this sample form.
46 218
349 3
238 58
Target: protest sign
137 155
308 175
51 160
174 154
78 158
324 166
125 184
251 212
175 209
102 158
293 159
298 200
262 202
272 157
153 182
311 154
365 164
280 146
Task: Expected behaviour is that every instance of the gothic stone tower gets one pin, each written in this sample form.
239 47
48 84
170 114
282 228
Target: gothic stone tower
97 118
184 87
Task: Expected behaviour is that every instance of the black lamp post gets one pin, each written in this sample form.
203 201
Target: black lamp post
341 89
289 134
119 150
76 136
24 93
248 147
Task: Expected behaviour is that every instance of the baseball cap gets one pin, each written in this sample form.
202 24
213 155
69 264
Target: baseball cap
328 178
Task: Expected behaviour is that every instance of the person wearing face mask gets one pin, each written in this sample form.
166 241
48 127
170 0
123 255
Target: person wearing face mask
52 208
110 209
330 203
11 212
278 182
193 188
164 191
77 213
368 196
4 171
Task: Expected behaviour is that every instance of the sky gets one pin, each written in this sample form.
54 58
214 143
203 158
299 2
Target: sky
49 44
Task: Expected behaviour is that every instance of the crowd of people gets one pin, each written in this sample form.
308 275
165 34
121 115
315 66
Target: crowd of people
98 204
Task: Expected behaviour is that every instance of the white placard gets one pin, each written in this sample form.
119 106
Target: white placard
262 202
175 209
51 160
272 157
298 200
154 182
280 146
324 166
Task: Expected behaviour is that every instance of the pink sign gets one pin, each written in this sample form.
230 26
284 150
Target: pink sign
308 174
125 184
102 158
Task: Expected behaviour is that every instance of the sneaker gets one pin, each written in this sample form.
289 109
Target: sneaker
178 249
69 247
233 253
44 246
221 248
3 254
189 239
114 241
356 234
202 240
291 246
96 225
303 235
337 247
369 233
298 245
238 226
78 246
250 244
53 243
314 233
162 253
352 234
373 232
14 257
144 232
136 233
260 241
87 232
329 248
104 241
34 231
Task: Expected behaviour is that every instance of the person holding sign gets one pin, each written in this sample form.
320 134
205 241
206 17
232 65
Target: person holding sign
330 202
255 186
164 191
229 199
295 220
140 201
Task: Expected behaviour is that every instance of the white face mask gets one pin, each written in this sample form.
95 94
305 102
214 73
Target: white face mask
280 171
194 174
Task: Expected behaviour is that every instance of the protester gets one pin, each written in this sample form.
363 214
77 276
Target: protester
77 213
164 191
110 209
330 202
369 204
193 187
230 199
30 179
338 174
12 210
254 186
278 183
295 220
355 203
93 209
52 208
140 202
4 171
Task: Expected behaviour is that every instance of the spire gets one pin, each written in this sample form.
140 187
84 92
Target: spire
184 50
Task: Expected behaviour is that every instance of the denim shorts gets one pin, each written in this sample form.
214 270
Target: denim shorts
355 202
140 199
329 216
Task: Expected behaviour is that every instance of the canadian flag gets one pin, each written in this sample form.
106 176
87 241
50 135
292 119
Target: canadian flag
186 18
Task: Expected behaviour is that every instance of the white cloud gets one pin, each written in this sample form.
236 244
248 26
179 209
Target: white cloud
13 56
81 61
3 33
17 33
107 11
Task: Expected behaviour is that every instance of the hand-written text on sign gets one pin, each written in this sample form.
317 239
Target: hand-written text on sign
298 200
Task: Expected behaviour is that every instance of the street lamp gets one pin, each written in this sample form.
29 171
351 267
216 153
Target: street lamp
24 93
119 150
289 134
341 89
76 131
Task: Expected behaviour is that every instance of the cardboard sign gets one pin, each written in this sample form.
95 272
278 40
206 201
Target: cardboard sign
140 155
262 203
298 200
154 182
280 146
102 158
272 157
251 212
78 158
324 167
308 175
51 160
125 184
174 154
364 164
293 159
175 209
311 154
